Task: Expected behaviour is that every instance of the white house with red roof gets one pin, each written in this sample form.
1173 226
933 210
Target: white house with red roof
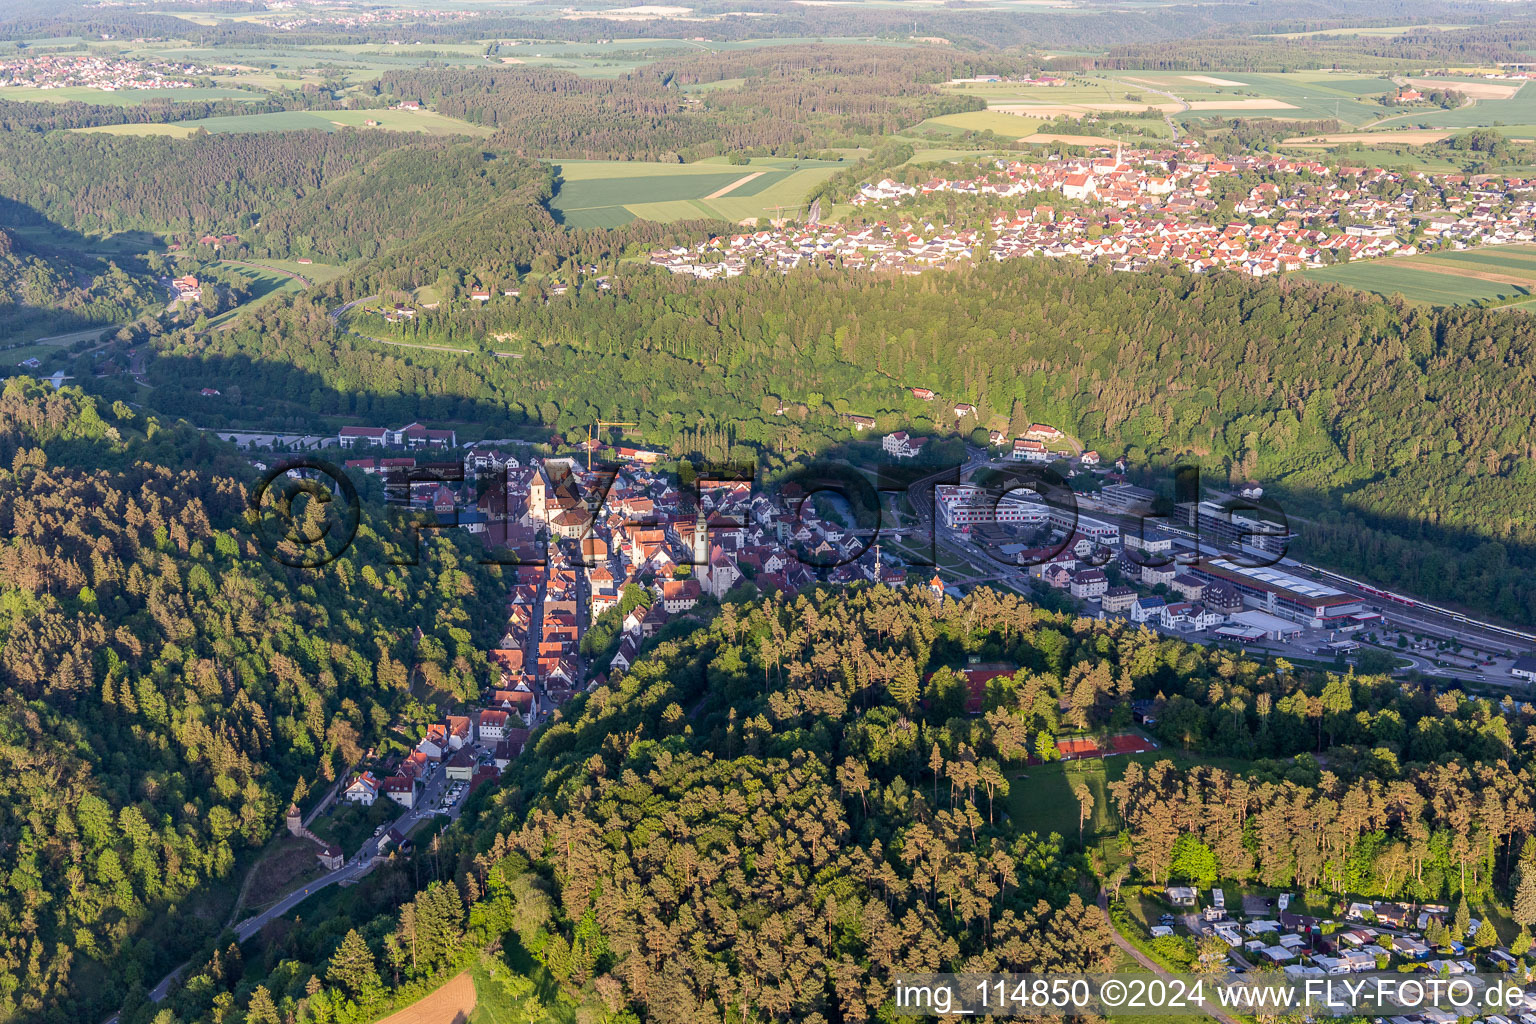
363 790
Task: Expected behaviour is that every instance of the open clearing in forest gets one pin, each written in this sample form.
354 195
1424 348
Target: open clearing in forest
607 194
451 1004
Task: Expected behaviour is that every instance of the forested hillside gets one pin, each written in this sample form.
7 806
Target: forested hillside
1402 434
418 208
1414 794
37 116
168 689
767 813
792 101
102 183
766 817
36 293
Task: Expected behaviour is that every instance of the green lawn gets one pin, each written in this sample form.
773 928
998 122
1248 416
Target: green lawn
1512 259
1040 796
14 356
1519 110
319 273
348 825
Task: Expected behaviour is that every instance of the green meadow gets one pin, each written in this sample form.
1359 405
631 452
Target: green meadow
118 98
1442 279
1011 126
1514 116
610 193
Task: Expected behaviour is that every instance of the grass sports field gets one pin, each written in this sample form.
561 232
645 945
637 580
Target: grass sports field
1488 274
604 194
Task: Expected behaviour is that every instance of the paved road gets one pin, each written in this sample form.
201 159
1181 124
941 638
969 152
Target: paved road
360 864
1181 101
337 313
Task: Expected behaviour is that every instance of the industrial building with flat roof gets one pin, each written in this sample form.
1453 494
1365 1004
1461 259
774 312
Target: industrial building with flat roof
1279 593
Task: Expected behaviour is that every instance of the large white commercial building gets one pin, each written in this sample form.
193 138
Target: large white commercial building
962 506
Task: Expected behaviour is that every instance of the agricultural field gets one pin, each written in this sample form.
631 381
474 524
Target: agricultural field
452 1003
1491 274
120 98
1512 109
1088 91
423 121
608 194
1012 126
1409 137
1302 95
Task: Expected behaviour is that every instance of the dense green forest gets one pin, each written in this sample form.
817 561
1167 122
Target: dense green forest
414 210
1414 794
39 293
95 183
768 811
32 115
763 817
792 101
169 689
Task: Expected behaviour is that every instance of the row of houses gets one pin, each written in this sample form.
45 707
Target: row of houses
1301 946
411 436
470 748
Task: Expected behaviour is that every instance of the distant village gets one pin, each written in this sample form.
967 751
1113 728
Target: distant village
1139 208
108 74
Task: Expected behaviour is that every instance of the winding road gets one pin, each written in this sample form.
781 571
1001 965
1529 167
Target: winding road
360 864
